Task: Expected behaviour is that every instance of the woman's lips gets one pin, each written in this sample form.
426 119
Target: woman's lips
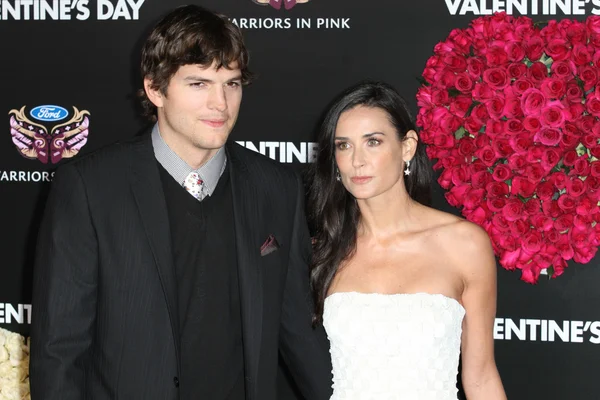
360 180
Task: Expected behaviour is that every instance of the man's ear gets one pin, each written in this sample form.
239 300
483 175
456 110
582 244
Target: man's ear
154 95
409 145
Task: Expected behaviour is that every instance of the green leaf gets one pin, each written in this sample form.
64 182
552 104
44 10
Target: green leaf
581 149
453 92
460 132
550 271
580 83
471 107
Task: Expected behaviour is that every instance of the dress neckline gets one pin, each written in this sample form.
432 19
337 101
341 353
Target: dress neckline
394 295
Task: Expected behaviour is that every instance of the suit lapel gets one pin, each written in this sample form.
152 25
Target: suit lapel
246 211
150 199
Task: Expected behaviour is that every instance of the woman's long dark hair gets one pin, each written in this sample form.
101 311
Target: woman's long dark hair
332 211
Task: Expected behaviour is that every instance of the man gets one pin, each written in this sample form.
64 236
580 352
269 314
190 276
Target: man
174 265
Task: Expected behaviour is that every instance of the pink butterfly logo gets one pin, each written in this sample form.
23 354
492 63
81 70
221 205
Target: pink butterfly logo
278 3
65 140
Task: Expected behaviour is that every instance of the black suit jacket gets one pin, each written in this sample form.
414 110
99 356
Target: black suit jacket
105 323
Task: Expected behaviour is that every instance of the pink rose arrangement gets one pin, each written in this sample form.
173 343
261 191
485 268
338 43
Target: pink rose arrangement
511 114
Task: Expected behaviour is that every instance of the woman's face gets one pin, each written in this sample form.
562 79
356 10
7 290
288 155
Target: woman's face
368 152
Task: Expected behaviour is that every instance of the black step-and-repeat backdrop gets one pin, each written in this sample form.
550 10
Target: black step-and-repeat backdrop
69 70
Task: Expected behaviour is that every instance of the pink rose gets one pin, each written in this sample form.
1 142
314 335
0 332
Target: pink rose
535 172
495 128
460 105
501 148
514 51
482 92
522 186
460 176
574 92
589 76
516 162
496 204
576 33
581 54
537 72
567 203
532 242
552 115
553 88
486 155
550 158
534 47
463 82
563 69
521 143
548 136
519 228
595 168
512 107
454 62
521 85
558 179
514 126
496 56
531 123
443 79
532 102
474 198
517 70
497 189
576 187
593 105
501 173
495 106
513 210
592 24
533 207
558 49
581 166
545 191
475 67
480 179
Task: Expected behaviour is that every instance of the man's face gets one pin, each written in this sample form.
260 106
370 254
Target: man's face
200 106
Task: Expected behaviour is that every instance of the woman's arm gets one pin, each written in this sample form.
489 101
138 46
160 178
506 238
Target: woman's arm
480 377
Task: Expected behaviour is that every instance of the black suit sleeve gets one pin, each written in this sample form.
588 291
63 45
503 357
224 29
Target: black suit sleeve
64 292
304 349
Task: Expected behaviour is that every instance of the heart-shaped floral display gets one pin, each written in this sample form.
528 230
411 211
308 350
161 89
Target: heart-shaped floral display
510 112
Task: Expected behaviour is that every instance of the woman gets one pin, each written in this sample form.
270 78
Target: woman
401 288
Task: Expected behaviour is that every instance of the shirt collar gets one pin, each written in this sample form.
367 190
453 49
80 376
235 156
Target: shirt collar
209 172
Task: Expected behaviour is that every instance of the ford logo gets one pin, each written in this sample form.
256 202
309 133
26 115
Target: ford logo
49 113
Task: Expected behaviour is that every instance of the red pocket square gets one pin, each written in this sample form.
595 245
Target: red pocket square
269 246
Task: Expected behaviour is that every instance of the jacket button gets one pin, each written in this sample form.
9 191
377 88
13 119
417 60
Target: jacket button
176 382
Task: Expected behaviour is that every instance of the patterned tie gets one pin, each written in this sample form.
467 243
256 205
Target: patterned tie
195 186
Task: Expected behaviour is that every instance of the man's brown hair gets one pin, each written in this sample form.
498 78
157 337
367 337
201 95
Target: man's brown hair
190 35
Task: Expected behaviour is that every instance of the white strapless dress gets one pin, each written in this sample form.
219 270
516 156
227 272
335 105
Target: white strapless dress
393 346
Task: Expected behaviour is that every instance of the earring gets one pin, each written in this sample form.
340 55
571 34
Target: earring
407 170
338 177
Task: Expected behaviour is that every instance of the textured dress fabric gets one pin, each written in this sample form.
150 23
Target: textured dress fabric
393 346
